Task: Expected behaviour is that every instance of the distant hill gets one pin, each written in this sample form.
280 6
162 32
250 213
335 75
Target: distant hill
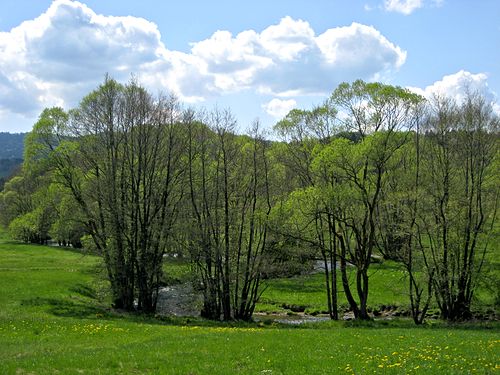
11 145
11 154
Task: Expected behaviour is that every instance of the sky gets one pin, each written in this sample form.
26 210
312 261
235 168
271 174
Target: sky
259 58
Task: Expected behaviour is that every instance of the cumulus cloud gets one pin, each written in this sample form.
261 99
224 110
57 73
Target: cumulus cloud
64 53
458 85
279 108
288 59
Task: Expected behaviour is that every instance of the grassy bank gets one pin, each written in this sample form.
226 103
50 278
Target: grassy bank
54 319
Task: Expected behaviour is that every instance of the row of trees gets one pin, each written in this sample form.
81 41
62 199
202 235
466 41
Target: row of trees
135 176
414 181
375 170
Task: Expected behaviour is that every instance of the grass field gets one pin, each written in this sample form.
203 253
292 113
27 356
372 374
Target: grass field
387 287
54 318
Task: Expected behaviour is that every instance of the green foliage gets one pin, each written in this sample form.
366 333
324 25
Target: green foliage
47 133
24 228
371 107
14 200
68 225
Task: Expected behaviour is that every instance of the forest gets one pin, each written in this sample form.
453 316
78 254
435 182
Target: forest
374 173
11 154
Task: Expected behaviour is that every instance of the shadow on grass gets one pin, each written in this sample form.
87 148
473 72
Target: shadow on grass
428 324
74 250
88 307
10 242
84 290
77 309
323 325
71 306
67 308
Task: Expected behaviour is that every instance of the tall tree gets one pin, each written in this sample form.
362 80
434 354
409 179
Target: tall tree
229 191
119 153
399 237
254 201
358 171
309 218
459 153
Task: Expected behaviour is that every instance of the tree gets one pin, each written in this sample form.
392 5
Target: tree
68 226
309 218
230 203
305 218
399 237
16 198
252 238
358 171
460 155
119 153
26 206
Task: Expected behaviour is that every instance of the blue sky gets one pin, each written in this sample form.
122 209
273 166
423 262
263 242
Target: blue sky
260 58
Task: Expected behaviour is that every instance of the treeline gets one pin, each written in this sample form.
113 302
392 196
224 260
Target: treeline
8 168
374 171
11 154
11 145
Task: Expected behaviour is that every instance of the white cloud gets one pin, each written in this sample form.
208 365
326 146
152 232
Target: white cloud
64 53
457 86
407 7
287 40
279 108
402 6
288 59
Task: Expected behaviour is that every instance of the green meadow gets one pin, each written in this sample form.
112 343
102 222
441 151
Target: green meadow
388 288
55 319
